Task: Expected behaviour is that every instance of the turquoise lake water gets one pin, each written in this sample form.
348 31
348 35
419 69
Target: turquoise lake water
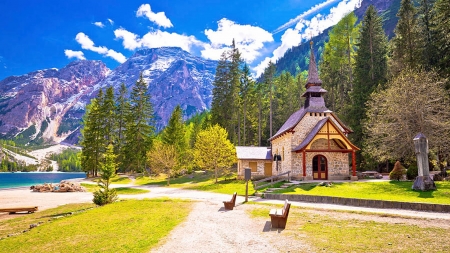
27 179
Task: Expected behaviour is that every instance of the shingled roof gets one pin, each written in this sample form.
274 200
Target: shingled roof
256 153
313 75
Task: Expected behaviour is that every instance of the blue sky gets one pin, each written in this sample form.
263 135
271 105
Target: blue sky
51 33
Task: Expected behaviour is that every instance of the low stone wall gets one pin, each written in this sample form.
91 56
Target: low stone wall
361 202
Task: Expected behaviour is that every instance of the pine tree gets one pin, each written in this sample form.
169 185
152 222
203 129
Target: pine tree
441 29
122 109
91 138
425 14
370 69
407 43
337 63
174 133
108 116
139 129
106 195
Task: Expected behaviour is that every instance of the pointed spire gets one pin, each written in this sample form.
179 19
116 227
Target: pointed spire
313 75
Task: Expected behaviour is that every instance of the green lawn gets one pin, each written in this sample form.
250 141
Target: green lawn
130 191
391 190
334 232
124 226
200 181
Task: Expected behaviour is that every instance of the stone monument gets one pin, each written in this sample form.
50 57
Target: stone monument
423 181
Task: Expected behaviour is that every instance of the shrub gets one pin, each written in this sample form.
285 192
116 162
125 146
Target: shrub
412 172
398 172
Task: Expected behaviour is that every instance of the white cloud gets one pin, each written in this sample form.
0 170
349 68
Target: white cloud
308 28
88 44
99 24
111 21
156 39
158 18
249 40
74 54
300 17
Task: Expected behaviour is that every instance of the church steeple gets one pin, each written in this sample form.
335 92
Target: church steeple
313 75
314 91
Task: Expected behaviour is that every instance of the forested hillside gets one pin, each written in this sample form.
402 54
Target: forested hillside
296 59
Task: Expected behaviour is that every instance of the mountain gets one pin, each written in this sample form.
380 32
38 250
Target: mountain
296 59
33 106
47 105
173 76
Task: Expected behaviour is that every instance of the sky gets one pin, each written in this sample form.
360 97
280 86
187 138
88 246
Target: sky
46 34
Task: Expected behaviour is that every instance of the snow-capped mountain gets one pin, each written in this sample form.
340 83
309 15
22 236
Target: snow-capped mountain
173 76
47 105
34 105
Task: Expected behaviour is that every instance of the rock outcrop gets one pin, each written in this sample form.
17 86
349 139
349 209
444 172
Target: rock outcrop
63 186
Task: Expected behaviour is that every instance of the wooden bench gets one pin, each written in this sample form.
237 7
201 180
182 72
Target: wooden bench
278 217
229 205
11 210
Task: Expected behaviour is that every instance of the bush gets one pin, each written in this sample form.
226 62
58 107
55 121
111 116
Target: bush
104 195
412 172
398 172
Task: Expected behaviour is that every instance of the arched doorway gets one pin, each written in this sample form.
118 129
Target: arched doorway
320 167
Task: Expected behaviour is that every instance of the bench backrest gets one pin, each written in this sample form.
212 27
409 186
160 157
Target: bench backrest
286 207
233 199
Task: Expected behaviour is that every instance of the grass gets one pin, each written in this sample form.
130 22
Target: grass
130 191
353 235
391 190
200 181
120 190
125 226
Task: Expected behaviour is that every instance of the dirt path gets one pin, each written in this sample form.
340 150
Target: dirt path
211 228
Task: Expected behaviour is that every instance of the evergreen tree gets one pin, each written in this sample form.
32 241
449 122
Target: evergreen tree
370 69
174 133
122 109
425 14
269 75
407 43
139 129
105 195
441 29
337 62
108 116
92 138
225 105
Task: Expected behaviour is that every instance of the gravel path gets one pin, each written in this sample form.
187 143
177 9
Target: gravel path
211 228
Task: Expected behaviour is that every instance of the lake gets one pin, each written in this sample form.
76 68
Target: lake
27 179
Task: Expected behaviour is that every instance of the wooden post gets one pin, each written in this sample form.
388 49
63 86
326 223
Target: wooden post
354 163
304 163
246 192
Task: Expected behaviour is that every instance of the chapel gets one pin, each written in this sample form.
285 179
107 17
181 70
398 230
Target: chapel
312 144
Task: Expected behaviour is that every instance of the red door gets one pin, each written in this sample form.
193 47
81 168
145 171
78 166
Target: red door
320 168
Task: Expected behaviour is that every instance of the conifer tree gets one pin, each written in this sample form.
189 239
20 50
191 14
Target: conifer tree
425 14
108 116
174 133
139 128
122 109
407 43
441 28
92 138
370 69
337 62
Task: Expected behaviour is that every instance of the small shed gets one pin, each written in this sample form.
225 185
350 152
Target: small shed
258 159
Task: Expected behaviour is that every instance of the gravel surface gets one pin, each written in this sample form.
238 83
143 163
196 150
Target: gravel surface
210 228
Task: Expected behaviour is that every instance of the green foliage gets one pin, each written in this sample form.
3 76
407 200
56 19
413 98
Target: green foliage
105 195
163 158
441 29
139 127
91 137
412 172
213 151
68 160
337 62
414 102
408 42
398 172
370 71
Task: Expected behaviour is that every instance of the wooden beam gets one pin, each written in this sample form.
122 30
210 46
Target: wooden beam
354 163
